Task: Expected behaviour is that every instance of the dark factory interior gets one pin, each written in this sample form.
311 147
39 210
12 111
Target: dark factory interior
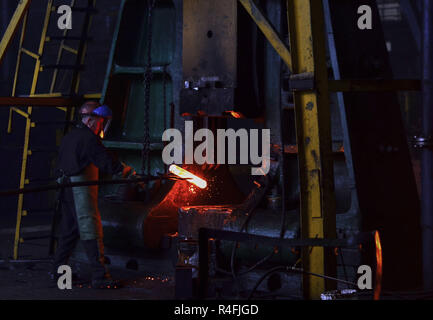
216 150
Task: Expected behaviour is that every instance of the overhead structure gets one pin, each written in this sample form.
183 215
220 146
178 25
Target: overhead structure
13 26
47 98
206 60
310 85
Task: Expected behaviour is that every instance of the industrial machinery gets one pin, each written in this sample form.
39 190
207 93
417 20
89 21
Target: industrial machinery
334 183
184 59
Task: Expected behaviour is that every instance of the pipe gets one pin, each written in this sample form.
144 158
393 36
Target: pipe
427 154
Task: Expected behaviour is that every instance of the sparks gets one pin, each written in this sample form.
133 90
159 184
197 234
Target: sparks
182 173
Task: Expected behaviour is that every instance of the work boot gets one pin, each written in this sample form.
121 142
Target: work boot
101 278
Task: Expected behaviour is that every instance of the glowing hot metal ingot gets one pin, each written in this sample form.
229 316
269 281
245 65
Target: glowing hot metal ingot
182 173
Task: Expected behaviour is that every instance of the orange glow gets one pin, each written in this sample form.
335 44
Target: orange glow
101 134
236 115
378 285
182 173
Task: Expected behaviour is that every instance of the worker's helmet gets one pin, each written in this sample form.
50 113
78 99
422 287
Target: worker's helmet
103 112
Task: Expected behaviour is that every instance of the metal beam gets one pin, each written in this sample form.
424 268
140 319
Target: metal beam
313 127
20 11
217 234
268 31
37 101
427 155
372 85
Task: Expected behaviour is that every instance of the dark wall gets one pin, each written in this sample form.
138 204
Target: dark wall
386 186
45 135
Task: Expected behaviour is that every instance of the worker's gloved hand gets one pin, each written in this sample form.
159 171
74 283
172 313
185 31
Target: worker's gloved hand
128 171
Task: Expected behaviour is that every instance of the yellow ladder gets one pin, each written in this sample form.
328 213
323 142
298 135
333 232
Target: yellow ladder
80 52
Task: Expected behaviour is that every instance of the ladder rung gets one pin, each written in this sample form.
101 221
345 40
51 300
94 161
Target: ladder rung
35 238
39 180
91 10
21 112
69 49
29 53
92 96
44 149
52 122
57 38
32 150
63 66
44 95
40 210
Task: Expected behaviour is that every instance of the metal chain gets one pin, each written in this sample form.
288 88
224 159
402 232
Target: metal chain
145 167
164 93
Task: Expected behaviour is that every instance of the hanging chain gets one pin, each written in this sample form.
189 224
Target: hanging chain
164 97
145 167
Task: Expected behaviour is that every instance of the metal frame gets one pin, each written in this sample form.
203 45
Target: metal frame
311 87
12 28
313 122
205 234
51 99
307 61
269 32
29 124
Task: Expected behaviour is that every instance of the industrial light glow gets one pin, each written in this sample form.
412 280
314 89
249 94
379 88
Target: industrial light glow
379 271
182 173
236 115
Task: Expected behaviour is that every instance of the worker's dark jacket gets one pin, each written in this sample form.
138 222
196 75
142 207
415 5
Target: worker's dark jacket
81 154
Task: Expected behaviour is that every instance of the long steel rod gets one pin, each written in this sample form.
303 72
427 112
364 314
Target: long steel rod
268 31
82 184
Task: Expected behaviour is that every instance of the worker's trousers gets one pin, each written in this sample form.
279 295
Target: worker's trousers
69 234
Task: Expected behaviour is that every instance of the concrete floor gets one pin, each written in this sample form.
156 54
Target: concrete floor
31 282
152 279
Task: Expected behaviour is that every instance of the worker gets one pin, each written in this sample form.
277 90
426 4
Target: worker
81 157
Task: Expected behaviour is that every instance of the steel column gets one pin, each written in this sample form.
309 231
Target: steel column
306 30
409 11
427 155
